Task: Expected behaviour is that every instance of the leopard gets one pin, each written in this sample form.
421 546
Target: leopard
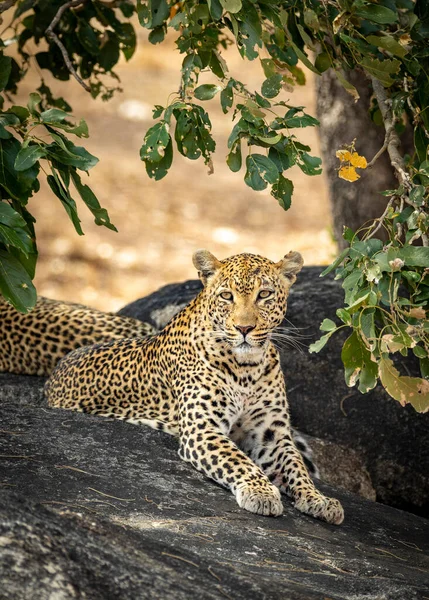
213 379
33 343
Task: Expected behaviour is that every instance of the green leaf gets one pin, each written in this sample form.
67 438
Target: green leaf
381 69
269 67
421 142
66 200
358 364
157 111
415 256
17 239
417 195
88 37
19 185
321 343
80 130
152 13
101 215
28 156
7 120
260 171
377 14
301 121
157 35
233 159
327 325
310 165
33 103
304 58
5 69
53 115
206 91
344 315
282 191
18 111
155 142
9 216
65 152
15 284
231 6
424 367
311 20
412 390
109 52
420 352
387 42
158 170
215 9
350 88
226 99
272 86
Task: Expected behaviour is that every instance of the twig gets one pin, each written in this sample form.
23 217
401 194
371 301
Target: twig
396 158
382 149
78 470
5 4
180 558
110 496
53 36
381 219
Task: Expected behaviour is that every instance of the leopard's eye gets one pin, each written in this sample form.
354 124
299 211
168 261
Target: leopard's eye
226 296
264 294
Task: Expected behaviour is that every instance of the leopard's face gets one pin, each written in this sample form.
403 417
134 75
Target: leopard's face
246 299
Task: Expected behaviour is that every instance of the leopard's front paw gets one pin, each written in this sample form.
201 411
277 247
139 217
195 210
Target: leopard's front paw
321 507
263 501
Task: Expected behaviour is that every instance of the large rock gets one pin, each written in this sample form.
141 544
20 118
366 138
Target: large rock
391 442
100 509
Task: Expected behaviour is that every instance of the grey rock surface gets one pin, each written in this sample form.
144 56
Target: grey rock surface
391 442
99 509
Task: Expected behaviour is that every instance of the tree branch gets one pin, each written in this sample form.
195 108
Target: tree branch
382 149
53 36
393 145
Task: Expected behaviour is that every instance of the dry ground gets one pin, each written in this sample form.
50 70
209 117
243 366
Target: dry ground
161 223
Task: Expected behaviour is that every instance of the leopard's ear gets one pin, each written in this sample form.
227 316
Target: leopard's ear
290 265
206 264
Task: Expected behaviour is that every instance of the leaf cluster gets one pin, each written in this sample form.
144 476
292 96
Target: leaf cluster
31 140
386 292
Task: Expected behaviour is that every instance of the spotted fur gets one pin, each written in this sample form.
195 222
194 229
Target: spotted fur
33 344
212 378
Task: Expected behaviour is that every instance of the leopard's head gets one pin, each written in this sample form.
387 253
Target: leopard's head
246 298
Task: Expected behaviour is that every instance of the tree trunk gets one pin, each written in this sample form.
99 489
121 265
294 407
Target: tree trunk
341 121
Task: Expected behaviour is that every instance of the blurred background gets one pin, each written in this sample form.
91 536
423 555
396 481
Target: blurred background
162 223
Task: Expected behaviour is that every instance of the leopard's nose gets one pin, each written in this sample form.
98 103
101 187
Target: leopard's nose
244 329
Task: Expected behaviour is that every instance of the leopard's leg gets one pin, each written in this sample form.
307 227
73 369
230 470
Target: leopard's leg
264 434
170 427
205 444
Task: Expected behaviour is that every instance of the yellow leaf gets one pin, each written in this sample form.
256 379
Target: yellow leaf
405 39
343 155
348 173
417 313
358 161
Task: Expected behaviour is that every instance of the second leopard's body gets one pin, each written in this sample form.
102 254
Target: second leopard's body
33 344
212 377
